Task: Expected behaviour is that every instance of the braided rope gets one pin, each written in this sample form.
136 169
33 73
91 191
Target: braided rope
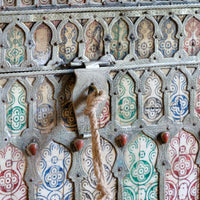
93 101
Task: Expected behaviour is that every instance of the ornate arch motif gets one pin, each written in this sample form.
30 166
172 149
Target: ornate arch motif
182 181
16 110
53 166
144 46
192 40
178 96
65 99
43 49
119 46
168 44
69 47
142 181
104 117
16 53
152 99
126 106
88 185
45 112
12 168
94 41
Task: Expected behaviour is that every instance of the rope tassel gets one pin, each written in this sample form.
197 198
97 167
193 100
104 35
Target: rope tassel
93 100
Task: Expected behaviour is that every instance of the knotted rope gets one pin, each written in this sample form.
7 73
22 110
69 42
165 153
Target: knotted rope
93 101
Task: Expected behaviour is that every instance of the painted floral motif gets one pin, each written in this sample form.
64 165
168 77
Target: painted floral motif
144 46
68 115
94 41
119 46
88 185
127 108
15 54
12 171
104 117
197 99
178 97
152 99
53 165
168 44
182 181
69 47
142 181
16 110
192 40
42 51
45 113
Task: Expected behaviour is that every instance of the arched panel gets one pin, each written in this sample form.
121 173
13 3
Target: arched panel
178 97
45 112
67 110
119 46
69 47
12 168
53 165
182 181
42 51
94 41
16 52
88 184
192 40
144 46
142 180
168 44
16 110
152 99
104 117
126 103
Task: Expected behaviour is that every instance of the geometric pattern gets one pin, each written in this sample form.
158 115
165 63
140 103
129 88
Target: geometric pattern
42 50
127 106
88 184
142 180
53 165
15 54
45 113
152 99
16 110
192 40
94 41
12 168
182 181
178 97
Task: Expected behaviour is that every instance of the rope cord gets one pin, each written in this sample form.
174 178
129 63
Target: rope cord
93 101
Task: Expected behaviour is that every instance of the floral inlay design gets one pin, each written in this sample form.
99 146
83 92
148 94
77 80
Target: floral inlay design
182 181
16 110
127 107
53 166
142 180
